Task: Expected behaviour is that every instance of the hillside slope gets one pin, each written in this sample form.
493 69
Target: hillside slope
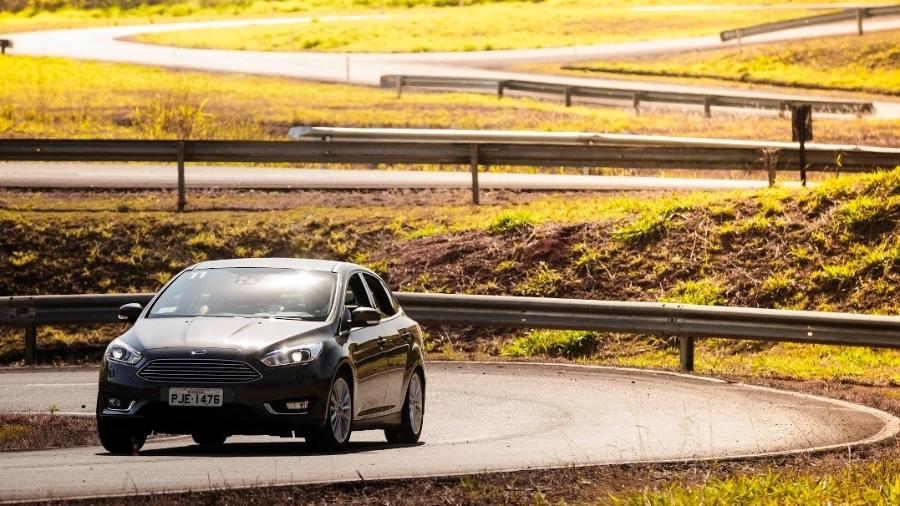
832 248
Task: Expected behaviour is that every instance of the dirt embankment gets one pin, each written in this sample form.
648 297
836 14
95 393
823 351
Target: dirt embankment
832 248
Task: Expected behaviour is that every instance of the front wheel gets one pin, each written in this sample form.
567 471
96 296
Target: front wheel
120 440
413 413
338 419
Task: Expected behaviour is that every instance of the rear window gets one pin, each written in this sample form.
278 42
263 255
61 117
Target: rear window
248 292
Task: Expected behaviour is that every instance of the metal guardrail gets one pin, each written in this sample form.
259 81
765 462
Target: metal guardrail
682 320
425 135
634 96
845 15
605 152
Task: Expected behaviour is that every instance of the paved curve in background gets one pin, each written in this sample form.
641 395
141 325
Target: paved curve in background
106 44
129 176
480 417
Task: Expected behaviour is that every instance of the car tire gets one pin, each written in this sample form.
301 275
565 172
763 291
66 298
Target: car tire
209 438
413 413
120 440
335 434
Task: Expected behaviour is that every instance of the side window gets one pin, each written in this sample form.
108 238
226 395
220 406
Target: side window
356 295
382 298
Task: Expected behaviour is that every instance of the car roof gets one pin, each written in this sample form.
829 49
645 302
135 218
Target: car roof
280 263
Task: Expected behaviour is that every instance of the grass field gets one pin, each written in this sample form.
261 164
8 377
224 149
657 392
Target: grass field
23 15
512 25
873 484
870 63
47 97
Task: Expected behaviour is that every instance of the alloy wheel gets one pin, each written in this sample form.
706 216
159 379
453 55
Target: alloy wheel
415 403
340 410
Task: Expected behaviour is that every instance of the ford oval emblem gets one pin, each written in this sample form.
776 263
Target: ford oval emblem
198 352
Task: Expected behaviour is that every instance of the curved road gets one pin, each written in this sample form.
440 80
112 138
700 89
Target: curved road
480 418
107 44
63 175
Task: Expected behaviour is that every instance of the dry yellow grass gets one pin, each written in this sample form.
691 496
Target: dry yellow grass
550 23
870 63
47 97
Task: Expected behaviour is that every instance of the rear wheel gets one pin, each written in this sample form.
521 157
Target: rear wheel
413 413
338 419
209 438
120 440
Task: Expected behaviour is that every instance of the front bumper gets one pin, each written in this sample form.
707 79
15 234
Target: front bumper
255 407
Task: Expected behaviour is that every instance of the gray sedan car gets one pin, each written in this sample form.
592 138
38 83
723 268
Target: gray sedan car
275 346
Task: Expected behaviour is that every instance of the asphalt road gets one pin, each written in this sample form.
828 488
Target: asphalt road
124 176
107 44
479 418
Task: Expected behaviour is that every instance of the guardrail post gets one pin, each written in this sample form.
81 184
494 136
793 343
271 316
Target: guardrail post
399 86
707 106
686 353
182 200
636 101
30 343
500 86
473 163
567 94
4 44
769 159
860 13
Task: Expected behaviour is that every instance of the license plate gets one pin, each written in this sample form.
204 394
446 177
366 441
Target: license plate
204 397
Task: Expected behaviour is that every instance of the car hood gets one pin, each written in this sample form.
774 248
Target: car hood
244 334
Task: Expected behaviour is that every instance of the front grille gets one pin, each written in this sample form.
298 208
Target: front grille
193 370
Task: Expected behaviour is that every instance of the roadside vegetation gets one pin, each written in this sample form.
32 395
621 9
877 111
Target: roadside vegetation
834 247
24 15
57 98
849 63
42 431
549 23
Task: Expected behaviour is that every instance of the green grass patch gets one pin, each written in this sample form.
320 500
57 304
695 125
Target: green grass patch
855 485
511 221
784 361
540 281
704 292
570 344
852 63
654 220
884 256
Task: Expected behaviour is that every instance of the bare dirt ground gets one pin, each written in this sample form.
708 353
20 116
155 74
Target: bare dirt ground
39 432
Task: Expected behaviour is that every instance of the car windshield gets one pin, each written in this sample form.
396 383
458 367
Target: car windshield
248 292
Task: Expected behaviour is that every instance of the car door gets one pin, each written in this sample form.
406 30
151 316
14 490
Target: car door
395 339
366 352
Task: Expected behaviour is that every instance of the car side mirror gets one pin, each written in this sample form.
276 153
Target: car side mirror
130 312
364 317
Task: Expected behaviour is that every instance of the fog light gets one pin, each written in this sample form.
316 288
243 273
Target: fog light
114 403
296 406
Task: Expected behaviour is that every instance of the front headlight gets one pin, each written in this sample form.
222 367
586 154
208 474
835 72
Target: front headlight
120 352
296 355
